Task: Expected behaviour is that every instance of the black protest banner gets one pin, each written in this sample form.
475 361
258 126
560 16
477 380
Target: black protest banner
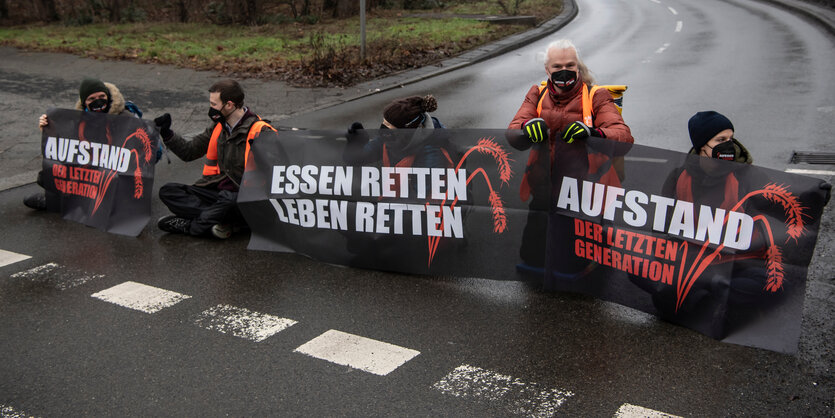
442 202
98 169
719 247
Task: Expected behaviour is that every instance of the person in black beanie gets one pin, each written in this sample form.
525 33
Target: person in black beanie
405 113
94 95
704 179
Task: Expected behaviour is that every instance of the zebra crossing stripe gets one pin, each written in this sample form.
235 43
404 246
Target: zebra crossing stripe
7 411
361 353
8 257
56 275
140 297
633 411
518 397
242 322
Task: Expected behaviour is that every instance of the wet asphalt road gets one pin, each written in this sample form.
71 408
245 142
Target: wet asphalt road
67 353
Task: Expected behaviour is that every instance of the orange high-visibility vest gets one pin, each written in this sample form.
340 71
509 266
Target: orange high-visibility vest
210 167
588 118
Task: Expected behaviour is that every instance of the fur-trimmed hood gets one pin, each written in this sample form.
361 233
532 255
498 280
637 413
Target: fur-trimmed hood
117 101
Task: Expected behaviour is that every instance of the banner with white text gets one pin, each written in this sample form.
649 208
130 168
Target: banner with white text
98 169
440 202
719 247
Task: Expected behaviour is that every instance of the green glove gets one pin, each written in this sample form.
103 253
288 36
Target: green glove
575 131
536 129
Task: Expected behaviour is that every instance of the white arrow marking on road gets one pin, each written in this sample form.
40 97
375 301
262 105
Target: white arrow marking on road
632 411
521 398
679 25
242 322
140 297
8 257
361 353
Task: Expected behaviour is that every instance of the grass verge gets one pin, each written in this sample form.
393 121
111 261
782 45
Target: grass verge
324 54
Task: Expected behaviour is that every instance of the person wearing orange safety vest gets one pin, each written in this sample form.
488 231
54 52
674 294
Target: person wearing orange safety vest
556 113
209 206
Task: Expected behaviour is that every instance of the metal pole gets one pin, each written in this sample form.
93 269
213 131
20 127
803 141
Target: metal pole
362 30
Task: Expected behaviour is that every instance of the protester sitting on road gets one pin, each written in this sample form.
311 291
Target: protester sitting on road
555 112
703 180
425 143
209 206
93 96
405 113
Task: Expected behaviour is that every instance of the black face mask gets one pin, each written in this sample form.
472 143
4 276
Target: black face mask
564 79
215 115
725 151
99 105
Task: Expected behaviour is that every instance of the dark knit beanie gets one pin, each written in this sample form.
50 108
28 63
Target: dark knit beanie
90 86
705 125
406 112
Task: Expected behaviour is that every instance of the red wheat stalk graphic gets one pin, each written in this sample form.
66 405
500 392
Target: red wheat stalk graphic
774 263
489 147
138 187
499 217
795 227
790 203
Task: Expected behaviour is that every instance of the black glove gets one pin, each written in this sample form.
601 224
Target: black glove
164 124
357 135
354 127
536 129
575 131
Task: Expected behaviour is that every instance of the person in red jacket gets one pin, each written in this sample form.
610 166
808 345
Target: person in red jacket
555 113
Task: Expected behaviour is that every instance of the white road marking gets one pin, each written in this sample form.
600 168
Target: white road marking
660 50
673 11
632 411
679 25
811 172
361 353
646 160
7 411
655 1
140 297
242 322
56 275
521 398
8 257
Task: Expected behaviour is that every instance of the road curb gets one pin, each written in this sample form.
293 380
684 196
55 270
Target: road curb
479 54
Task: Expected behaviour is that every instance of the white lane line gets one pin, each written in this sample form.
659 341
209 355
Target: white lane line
632 411
7 411
673 11
647 160
56 275
8 257
521 398
140 297
812 172
660 50
679 25
242 322
361 353
656 1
